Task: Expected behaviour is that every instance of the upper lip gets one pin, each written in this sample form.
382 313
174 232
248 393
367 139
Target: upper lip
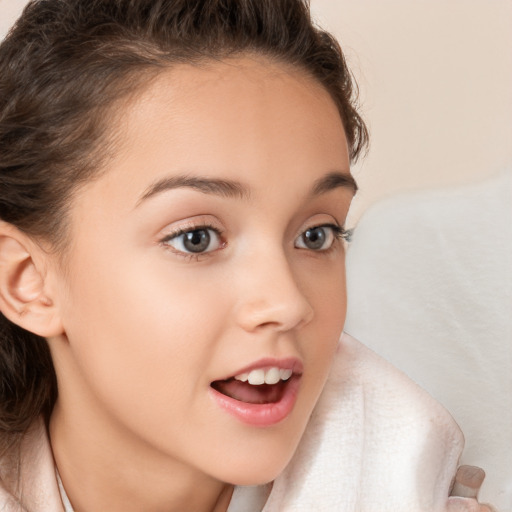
287 363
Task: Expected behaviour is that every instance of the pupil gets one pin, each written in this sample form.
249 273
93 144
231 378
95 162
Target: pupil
197 241
314 238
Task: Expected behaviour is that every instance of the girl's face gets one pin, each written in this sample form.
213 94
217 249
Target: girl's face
208 254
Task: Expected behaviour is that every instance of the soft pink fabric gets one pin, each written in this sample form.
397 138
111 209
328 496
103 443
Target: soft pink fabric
38 481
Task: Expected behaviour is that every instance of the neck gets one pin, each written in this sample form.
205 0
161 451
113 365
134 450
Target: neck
104 468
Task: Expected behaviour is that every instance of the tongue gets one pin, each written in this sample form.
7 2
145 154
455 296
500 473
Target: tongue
244 392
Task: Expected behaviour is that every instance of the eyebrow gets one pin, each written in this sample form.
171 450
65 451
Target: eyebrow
235 189
335 180
215 186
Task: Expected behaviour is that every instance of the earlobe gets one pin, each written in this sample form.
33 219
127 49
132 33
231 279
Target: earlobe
23 298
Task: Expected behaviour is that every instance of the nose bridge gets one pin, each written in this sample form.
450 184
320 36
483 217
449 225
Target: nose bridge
271 295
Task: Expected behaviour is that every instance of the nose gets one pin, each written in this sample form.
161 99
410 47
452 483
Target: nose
270 296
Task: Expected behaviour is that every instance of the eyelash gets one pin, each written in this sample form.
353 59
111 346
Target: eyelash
188 229
340 233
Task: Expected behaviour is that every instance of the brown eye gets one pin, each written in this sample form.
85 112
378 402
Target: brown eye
195 241
319 238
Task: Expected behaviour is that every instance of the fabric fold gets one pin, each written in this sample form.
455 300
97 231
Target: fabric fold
376 442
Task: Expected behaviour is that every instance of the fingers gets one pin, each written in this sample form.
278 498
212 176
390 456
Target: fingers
456 504
468 481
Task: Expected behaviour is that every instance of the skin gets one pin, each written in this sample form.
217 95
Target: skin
147 328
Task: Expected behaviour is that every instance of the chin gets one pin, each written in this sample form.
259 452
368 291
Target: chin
255 477
262 467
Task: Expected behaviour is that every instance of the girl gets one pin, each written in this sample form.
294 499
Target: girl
175 178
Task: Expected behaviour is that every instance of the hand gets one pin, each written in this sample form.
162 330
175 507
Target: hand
464 495
456 504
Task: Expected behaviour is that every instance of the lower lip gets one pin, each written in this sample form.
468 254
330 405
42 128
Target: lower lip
260 415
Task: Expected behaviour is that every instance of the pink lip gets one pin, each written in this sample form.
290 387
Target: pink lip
264 415
260 415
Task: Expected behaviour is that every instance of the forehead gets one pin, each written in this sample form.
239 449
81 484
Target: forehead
245 119
245 80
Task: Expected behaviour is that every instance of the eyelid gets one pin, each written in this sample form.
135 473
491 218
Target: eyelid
190 224
338 229
339 233
187 227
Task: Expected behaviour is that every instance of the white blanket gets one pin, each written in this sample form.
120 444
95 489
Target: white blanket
429 279
376 443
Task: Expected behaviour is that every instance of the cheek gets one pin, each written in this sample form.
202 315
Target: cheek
326 292
137 333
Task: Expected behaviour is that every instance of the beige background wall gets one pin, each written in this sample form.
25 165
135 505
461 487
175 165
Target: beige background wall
436 87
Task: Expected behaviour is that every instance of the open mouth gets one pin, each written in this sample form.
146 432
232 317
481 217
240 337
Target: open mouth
261 386
261 396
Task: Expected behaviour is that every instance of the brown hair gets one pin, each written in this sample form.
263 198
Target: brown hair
64 65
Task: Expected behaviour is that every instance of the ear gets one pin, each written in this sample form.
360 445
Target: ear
23 297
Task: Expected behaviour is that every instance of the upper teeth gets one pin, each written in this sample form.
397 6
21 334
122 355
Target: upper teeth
264 376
